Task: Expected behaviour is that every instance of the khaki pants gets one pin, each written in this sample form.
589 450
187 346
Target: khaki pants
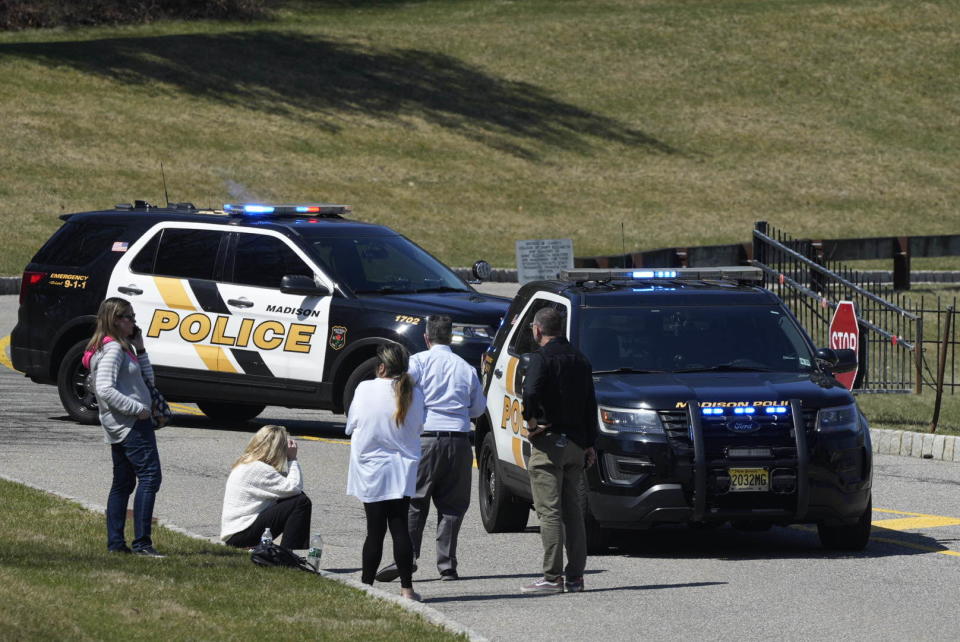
558 486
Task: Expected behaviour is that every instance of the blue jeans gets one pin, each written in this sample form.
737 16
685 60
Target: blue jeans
136 463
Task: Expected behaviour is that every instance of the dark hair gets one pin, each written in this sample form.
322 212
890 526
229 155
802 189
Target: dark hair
396 361
550 322
439 329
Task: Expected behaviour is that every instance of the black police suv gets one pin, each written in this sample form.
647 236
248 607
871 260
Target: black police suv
714 407
251 305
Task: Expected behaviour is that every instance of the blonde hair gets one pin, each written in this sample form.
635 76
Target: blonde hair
110 310
268 445
396 362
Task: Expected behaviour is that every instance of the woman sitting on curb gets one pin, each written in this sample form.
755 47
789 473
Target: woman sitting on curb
265 490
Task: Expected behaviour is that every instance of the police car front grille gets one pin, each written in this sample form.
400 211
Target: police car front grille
677 427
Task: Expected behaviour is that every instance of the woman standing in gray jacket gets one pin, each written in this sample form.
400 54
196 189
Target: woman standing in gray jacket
122 369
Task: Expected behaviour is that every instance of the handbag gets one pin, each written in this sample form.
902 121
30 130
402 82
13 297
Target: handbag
160 411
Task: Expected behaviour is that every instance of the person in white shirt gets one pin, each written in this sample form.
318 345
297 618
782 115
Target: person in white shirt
265 490
123 372
453 395
384 422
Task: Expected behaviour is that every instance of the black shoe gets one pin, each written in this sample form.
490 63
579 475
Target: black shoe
123 549
390 572
148 551
449 575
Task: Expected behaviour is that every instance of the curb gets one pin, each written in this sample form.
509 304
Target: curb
9 285
915 444
426 612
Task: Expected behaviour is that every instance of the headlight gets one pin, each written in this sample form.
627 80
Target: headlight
469 331
841 418
618 420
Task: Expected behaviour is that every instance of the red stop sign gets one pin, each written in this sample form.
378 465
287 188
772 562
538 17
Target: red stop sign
845 333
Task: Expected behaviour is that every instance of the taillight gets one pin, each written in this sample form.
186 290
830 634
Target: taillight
29 280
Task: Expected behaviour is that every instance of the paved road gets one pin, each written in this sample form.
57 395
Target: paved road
666 584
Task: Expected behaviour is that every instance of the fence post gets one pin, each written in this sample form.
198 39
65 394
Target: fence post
918 353
758 254
901 263
941 365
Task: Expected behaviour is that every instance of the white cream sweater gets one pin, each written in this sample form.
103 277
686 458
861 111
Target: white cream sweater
251 489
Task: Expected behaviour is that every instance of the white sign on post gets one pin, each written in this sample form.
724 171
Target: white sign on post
543 259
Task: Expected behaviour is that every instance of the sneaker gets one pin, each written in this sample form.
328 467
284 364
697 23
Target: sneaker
390 572
123 549
449 575
573 585
543 586
148 551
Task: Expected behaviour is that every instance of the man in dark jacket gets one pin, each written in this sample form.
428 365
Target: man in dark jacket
560 408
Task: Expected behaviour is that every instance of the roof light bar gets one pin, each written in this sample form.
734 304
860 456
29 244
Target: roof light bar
296 209
733 273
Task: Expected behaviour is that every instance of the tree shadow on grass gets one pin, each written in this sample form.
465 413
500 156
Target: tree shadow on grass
324 81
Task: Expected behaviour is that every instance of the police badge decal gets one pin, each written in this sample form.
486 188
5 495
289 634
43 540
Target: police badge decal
338 337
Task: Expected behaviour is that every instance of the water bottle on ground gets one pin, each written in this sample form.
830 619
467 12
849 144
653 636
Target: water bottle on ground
267 538
315 552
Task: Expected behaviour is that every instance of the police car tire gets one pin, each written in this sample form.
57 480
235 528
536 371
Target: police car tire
365 371
499 511
80 404
230 412
848 538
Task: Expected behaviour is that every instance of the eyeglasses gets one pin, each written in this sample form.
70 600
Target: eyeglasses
128 317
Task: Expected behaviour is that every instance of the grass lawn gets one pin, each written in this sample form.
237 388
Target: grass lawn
911 412
469 124
57 582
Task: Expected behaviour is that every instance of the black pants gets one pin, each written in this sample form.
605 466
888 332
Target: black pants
289 516
391 513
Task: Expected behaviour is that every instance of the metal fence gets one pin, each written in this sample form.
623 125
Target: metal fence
891 335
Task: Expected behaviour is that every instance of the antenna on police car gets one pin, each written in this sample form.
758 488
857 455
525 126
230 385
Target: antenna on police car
623 244
164 178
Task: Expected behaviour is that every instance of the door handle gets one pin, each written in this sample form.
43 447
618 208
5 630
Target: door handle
130 289
498 373
240 303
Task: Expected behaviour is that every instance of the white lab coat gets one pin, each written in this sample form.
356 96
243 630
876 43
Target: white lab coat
383 457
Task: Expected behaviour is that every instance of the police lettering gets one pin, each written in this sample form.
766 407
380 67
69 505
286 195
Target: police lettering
267 335
734 404
300 312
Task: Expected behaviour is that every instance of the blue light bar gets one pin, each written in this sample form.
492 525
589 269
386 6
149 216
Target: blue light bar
744 410
249 208
654 274
712 411
776 410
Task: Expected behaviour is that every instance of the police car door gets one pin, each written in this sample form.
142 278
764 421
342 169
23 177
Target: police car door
169 277
505 394
270 333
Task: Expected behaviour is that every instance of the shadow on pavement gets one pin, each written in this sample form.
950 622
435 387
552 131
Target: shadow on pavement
795 542
518 594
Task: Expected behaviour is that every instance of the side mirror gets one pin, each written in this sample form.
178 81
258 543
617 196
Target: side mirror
524 363
304 285
482 271
842 360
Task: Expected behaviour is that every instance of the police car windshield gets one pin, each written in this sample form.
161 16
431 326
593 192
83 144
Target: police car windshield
693 339
382 265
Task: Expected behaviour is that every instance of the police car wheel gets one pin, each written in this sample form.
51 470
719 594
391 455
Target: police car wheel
499 511
230 412
848 538
80 403
365 371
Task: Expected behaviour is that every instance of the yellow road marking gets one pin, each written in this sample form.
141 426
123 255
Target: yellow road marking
190 410
913 523
323 439
4 359
918 547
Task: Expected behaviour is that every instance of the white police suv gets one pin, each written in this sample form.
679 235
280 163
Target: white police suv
714 407
243 307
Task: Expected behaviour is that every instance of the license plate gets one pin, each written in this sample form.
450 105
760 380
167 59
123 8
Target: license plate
749 479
